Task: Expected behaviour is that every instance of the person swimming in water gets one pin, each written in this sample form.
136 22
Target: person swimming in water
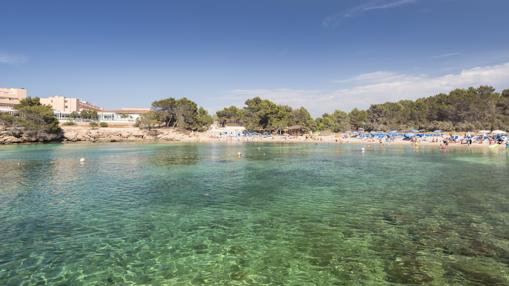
444 144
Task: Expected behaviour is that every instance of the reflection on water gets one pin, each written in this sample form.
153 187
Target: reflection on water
179 155
280 214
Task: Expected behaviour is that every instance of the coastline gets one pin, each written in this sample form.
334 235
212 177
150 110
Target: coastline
84 135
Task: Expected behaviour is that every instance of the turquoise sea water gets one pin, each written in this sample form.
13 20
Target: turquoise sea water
306 214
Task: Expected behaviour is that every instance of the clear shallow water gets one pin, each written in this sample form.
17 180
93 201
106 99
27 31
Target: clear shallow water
281 215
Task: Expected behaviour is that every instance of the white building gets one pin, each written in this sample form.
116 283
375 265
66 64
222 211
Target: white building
120 116
128 115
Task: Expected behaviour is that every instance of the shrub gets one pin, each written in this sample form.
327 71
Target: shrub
103 124
6 119
69 123
89 114
36 117
93 124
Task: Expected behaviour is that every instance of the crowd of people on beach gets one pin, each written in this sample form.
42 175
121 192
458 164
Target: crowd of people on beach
493 139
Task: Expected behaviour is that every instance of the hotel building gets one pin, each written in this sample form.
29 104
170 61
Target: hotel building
63 107
10 97
64 104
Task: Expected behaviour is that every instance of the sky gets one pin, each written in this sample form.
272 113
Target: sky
321 54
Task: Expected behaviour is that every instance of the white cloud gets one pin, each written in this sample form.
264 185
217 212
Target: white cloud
12 58
375 5
378 87
447 55
372 77
334 20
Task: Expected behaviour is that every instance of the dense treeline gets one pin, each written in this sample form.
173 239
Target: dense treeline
178 113
31 115
460 110
264 115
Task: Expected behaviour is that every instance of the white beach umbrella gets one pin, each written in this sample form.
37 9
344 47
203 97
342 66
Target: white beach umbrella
498 132
484 132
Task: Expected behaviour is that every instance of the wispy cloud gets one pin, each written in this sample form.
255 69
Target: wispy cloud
375 5
446 55
382 86
6 58
335 19
372 77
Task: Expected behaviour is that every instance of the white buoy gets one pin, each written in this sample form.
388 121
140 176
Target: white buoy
363 149
239 154
82 160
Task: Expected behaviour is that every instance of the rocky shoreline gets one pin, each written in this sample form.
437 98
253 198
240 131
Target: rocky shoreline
17 135
129 134
81 134
107 135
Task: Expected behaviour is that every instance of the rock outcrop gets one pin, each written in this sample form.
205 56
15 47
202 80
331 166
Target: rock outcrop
85 134
70 134
14 135
106 135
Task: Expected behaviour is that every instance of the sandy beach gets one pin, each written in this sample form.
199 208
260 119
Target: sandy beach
77 134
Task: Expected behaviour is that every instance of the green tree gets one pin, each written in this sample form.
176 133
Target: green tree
149 120
338 121
74 115
460 109
89 114
34 116
182 113
358 118
185 114
259 114
166 111
203 120
301 116
230 116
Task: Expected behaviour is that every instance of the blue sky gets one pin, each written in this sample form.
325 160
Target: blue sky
324 55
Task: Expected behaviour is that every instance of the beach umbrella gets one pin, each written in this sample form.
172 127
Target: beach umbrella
484 132
498 132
